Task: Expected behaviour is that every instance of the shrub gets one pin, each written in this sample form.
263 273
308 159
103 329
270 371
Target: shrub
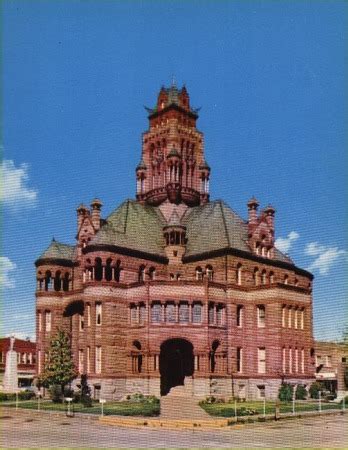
314 390
26 395
301 392
56 393
4 397
286 391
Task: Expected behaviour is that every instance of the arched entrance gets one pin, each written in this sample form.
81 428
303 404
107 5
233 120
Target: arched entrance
176 363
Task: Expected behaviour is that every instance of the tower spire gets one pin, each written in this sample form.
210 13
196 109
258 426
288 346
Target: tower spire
173 165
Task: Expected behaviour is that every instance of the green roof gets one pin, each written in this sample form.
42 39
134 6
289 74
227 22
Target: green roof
210 227
57 250
133 226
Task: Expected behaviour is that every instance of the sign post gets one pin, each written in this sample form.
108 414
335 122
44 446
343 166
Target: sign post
102 401
69 400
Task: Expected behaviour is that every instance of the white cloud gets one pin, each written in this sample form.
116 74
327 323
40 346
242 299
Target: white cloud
284 244
6 265
325 257
14 190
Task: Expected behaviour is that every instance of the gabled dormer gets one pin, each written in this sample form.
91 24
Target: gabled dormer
261 229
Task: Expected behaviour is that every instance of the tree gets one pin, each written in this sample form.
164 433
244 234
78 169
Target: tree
301 392
59 369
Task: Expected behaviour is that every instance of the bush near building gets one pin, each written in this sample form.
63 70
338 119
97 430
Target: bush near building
286 392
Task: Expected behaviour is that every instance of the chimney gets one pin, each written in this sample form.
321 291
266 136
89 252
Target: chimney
269 212
81 213
96 207
253 204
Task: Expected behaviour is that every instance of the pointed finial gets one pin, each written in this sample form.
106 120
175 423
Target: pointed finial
173 80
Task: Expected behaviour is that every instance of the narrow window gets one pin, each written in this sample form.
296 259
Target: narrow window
183 312
142 313
302 319
170 312
134 314
108 270
81 322
209 272
199 274
302 360
141 274
152 273
98 314
290 360
48 321
296 360
197 313
295 318
271 277
286 279
220 315
156 311
88 361
256 277
289 317
240 315
196 362
261 316
98 356
80 361
239 360
283 316
284 360
239 274
261 368
263 277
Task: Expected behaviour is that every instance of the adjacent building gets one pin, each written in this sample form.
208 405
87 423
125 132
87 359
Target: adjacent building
173 287
26 360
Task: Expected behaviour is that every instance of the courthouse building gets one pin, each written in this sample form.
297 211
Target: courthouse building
173 287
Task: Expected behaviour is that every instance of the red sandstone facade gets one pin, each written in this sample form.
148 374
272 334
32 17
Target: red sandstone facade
175 288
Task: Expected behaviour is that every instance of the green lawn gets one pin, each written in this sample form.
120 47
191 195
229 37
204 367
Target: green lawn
256 408
111 408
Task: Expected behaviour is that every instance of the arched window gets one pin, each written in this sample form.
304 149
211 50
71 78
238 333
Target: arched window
108 270
141 274
296 282
261 316
48 280
271 277
117 270
256 276
57 281
138 358
263 277
199 273
210 273
66 282
98 271
286 279
152 273
239 274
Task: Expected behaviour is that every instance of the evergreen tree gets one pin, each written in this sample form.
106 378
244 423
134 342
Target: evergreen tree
59 369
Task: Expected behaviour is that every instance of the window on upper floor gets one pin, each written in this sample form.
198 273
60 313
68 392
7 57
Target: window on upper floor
199 274
263 277
240 314
210 273
197 313
239 274
156 313
261 316
183 312
98 359
283 316
98 314
48 321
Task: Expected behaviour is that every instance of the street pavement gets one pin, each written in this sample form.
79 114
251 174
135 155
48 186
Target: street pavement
21 429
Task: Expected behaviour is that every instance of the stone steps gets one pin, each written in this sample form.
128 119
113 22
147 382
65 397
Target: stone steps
178 404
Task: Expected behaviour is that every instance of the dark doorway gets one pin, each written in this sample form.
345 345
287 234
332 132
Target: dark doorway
176 363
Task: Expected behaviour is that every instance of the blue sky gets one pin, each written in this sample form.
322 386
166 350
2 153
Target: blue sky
271 80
